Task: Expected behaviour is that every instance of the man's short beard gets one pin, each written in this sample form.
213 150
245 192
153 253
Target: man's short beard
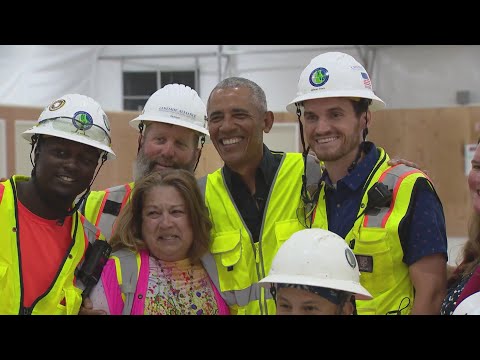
143 166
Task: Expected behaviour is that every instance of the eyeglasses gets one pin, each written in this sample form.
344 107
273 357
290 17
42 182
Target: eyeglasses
78 127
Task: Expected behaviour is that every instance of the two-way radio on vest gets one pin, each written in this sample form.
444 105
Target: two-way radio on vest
90 271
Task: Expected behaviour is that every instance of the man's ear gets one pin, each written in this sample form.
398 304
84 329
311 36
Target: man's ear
36 152
368 118
268 121
365 120
348 307
140 142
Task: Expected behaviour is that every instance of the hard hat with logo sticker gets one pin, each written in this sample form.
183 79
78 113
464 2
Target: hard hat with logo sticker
469 306
335 74
317 257
75 117
175 104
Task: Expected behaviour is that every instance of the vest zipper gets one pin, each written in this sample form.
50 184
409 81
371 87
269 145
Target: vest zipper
26 311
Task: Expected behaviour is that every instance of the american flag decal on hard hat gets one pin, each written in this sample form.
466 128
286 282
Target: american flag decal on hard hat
366 81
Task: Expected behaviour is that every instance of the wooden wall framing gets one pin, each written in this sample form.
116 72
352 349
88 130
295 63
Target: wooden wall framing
432 138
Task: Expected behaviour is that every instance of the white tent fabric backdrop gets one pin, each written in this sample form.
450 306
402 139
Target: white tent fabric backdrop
34 75
404 76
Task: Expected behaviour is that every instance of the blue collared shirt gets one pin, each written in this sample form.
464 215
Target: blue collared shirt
422 233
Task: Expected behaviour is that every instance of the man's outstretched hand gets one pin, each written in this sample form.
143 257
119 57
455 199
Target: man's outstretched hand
393 162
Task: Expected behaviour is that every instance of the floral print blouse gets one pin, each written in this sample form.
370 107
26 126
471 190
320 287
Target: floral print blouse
179 288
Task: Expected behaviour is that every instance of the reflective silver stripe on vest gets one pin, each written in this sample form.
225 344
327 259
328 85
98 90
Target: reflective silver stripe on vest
254 294
202 184
129 269
234 297
390 180
106 224
211 268
81 208
246 296
251 294
90 230
115 194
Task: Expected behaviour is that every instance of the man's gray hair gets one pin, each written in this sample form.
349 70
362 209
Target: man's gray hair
258 95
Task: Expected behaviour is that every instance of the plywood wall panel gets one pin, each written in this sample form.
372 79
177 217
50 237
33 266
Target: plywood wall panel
124 144
10 114
433 138
209 161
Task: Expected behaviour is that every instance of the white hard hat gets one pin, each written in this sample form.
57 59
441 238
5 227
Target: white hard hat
75 117
335 74
469 306
317 257
175 104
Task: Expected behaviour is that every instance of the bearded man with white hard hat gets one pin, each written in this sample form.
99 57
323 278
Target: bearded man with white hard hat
172 130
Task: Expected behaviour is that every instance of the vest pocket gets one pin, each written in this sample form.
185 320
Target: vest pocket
73 301
284 229
374 260
231 260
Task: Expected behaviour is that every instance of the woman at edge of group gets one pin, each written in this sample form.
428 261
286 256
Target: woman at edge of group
464 280
164 228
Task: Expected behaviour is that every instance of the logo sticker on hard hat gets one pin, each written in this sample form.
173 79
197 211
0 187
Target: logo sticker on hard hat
56 105
318 77
83 120
351 259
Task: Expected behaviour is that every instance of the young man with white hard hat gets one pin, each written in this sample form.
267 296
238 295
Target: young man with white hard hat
43 237
390 216
315 273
